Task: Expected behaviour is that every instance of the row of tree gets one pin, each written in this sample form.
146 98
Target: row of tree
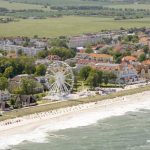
22 65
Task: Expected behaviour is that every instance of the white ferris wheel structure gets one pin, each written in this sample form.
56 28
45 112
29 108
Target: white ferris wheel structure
60 79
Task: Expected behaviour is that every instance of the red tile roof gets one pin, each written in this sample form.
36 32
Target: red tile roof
129 58
100 55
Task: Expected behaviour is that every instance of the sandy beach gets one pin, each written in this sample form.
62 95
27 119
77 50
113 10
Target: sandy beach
36 126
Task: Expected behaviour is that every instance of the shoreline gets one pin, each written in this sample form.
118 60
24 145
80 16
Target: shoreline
69 117
130 90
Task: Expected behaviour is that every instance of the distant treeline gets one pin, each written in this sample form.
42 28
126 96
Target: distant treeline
79 2
58 11
59 8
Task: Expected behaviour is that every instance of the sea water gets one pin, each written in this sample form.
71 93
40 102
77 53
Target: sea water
128 132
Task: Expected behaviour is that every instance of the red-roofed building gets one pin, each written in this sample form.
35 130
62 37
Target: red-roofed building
129 59
53 57
84 58
124 73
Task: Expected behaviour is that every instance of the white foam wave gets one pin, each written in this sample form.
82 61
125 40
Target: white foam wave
78 119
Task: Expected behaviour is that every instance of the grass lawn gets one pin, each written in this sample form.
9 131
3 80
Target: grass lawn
20 6
68 25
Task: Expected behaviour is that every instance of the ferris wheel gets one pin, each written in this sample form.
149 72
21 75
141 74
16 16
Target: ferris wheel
60 78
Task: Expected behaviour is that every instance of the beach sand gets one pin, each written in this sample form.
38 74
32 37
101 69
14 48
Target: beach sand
35 126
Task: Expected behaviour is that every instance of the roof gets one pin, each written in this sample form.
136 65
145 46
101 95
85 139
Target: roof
100 55
118 47
53 57
12 55
144 39
146 62
129 58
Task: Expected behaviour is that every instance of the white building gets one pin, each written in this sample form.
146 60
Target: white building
4 95
30 51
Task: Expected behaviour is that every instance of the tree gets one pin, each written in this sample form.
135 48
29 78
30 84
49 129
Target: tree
106 80
29 68
58 43
142 57
117 57
3 83
89 50
84 72
95 78
8 72
132 38
40 70
43 53
108 76
28 86
63 53
12 102
146 49
20 52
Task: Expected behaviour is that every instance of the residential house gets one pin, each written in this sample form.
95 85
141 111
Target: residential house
12 55
42 61
81 41
53 58
125 73
145 70
30 51
25 101
138 53
101 57
4 95
16 82
129 59
144 40
80 49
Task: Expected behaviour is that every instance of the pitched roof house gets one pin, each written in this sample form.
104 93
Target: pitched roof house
125 73
85 58
25 101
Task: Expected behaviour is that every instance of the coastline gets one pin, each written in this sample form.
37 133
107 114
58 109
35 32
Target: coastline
35 126
129 90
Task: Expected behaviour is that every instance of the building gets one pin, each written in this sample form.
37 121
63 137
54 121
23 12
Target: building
4 95
145 69
53 58
144 40
12 55
16 82
82 41
125 73
84 58
101 57
129 59
42 61
30 51
25 101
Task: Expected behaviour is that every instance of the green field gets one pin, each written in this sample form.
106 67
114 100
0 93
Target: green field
20 6
69 25
133 6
